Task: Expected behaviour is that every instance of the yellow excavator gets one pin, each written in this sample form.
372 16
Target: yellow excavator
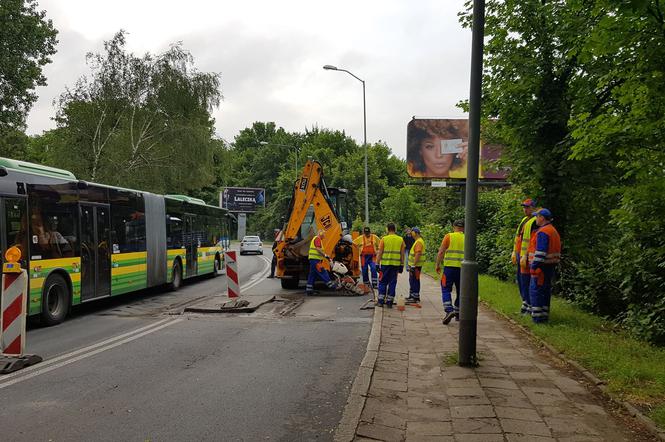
314 207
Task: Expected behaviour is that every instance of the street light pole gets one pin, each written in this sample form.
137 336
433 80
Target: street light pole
469 278
334 68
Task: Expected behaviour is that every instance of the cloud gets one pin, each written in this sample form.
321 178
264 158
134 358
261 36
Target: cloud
414 58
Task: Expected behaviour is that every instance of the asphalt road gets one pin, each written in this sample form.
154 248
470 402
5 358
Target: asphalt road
134 369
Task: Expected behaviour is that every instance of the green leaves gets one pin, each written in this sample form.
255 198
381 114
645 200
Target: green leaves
575 90
140 122
27 40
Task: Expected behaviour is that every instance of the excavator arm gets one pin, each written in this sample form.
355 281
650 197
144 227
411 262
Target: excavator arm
309 191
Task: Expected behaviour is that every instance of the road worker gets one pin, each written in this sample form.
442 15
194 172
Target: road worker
520 255
368 244
316 257
415 266
390 259
451 253
544 255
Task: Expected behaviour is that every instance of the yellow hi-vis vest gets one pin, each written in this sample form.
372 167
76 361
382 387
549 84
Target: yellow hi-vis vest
392 250
526 236
412 254
455 252
313 252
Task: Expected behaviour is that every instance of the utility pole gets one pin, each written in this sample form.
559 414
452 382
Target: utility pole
469 279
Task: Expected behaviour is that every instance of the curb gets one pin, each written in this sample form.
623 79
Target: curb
346 429
602 385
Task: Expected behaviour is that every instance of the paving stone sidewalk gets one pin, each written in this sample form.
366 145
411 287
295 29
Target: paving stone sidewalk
418 393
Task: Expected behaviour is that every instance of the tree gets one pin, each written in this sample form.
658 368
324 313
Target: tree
575 90
27 40
139 121
401 208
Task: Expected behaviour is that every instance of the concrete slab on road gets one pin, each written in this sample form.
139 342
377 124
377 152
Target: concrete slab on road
222 304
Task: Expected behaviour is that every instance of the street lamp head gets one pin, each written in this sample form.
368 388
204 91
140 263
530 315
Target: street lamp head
329 67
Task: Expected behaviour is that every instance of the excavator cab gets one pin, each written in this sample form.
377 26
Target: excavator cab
338 199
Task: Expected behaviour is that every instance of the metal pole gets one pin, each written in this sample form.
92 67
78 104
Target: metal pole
469 279
365 144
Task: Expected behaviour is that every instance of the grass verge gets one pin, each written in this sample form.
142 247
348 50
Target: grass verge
633 369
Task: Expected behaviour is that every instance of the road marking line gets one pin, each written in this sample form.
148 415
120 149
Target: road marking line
83 350
52 367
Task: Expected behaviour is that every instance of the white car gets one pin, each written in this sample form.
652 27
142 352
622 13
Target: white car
251 244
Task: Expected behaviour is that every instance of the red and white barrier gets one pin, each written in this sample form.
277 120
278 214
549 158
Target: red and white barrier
232 274
13 306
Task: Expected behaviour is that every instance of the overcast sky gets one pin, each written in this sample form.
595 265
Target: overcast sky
413 55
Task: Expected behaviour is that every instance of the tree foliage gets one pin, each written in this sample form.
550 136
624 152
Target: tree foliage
139 121
27 40
575 90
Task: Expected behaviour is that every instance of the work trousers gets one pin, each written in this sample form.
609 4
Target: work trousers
316 269
540 292
414 282
387 284
523 283
450 278
369 266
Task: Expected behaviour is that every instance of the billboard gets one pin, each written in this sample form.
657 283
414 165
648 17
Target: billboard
437 148
242 199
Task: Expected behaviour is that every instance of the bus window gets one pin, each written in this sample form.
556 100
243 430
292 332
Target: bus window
173 232
127 222
52 230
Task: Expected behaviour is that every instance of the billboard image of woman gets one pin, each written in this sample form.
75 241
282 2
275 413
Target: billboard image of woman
437 148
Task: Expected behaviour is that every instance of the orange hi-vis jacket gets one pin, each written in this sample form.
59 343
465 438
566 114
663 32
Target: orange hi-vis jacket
370 246
545 247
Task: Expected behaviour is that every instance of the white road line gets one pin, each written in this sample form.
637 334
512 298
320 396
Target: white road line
84 349
23 376
91 350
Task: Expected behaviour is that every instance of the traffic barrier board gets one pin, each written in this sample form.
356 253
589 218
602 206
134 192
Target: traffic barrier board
232 274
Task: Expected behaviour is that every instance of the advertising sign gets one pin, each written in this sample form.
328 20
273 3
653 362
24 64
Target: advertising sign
437 148
242 199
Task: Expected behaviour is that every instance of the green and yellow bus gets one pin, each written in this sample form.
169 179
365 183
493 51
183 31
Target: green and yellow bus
82 241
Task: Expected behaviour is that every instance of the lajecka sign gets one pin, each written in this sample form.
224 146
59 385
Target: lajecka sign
242 199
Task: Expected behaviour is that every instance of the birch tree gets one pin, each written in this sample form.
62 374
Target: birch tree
139 121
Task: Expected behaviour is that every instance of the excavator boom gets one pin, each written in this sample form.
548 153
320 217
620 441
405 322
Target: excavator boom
293 245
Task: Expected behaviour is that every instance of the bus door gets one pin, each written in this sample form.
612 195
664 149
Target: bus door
13 213
191 245
95 251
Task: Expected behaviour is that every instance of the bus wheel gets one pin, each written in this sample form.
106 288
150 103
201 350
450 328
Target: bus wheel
55 300
176 276
218 267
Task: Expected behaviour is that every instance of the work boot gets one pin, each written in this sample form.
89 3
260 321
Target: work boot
389 304
412 300
449 317
379 303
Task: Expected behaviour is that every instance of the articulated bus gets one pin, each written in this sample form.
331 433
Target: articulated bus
81 241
